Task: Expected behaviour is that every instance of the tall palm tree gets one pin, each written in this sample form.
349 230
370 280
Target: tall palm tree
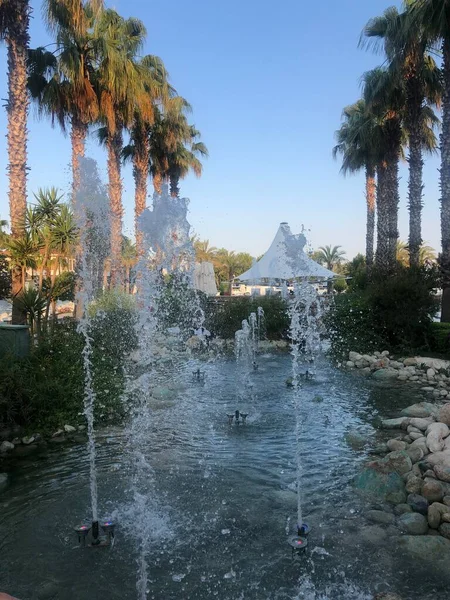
14 25
129 259
434 17
138 150
203 251
185 158
23 252
121 81
406 46
356 143
386 101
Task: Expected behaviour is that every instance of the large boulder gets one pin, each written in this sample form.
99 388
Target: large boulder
379 516
377 482
442 472
418 503
398 461
432 490
444 530
412 523
415 453
436 433
414 485
395 445
6 446
400 423
444 414
354 356
434 550
420 410
385 374
421 424
356 439
439 458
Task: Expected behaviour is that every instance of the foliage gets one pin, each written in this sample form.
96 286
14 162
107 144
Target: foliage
179 305
45 390
32 303
330 256
356 271
440 338
5 278
223 319
339 285
394 313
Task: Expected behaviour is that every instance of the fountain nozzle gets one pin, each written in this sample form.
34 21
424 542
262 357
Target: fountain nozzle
95 533
230 418
82 532
303 529
198 375
255 365
108 528
244 417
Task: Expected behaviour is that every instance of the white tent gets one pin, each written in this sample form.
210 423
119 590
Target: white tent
204 279
285 260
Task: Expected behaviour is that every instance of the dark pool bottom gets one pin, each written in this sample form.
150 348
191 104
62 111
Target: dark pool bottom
224 501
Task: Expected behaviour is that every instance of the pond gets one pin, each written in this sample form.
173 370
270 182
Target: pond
224 499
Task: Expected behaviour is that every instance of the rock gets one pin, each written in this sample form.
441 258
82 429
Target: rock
418 503
81 427
361 364
16 441
407 439
432 549
400 423
28 440
444 530
415 436
413 523
387 596
446 517
368 358
350 364
442 473
378 483
427 389
69 428
434 516
354 356
356 439
401 509
3 480
399 462
379 516
385 353
420 410
443 393
430 473
410 362
431 373
25 450
374 534
57 433
433 491
48 591
6 446
394 364
415 453
385 374
439 458
421 424
394 445
446 500
414 485
444 414
436 432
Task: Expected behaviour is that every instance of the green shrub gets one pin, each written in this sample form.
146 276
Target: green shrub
45 390
179 305
440 338
340 285
225 317
392 312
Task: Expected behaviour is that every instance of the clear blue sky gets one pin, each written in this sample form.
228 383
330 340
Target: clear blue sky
268 82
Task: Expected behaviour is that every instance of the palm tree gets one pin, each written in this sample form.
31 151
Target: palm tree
203 251
330 256
356 142
3 234
129 259
185 159
427 254
434 17
406 44
23 252
138 150
14 25
121 90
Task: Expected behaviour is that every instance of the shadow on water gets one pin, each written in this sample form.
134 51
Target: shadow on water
226 498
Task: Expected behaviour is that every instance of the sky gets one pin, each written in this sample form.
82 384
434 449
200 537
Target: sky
267 82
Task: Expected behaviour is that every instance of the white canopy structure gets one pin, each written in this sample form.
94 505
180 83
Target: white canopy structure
286 260
204 279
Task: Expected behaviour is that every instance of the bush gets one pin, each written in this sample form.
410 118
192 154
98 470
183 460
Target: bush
45 390
392 312
440 338
225 317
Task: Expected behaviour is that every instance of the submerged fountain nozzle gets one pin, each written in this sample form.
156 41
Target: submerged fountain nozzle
230 418
108 528
95 533
255 365
237 414
298 544
244 417
198 375
303 530
82 532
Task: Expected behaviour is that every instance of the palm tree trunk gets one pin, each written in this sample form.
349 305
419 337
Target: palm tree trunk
444 258
17 40
140 174
157 183
174 187
114 145
382 252
78 138
393 197
370 225
415 183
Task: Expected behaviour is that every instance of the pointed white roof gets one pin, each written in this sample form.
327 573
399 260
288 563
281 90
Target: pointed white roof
285 259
